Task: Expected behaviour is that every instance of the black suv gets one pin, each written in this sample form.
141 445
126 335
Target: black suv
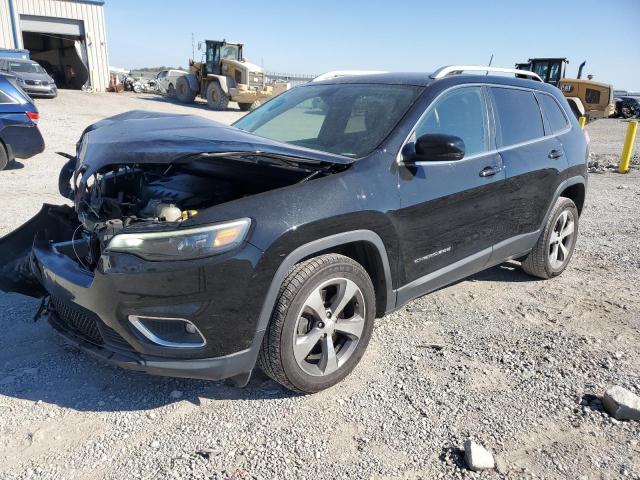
196 249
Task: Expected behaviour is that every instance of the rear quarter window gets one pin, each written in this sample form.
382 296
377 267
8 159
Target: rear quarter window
553 113
4 98
519 118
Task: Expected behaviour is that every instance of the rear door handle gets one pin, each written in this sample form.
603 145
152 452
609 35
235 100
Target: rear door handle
553 154
489 171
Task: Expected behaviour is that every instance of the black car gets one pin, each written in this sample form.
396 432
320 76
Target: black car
19 134
196 249
627 107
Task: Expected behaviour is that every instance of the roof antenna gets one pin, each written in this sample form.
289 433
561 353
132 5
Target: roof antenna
490 62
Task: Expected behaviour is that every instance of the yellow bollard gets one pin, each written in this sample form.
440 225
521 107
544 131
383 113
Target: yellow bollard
582 121
627 150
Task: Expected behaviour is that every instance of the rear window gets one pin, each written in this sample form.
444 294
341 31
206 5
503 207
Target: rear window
553 113
519 116
592 96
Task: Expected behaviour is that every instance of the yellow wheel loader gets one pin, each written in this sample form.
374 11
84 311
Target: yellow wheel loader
224 76
586 98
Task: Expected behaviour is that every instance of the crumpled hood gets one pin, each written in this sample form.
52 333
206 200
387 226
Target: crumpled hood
143 137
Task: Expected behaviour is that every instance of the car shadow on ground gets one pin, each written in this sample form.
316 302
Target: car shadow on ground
38 365
200 105
510 271
14 165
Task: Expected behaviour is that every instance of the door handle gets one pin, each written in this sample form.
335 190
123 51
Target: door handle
553 154
489 171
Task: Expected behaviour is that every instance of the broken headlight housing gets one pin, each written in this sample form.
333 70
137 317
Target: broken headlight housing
188 243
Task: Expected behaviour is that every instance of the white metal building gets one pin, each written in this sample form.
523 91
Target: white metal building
67 37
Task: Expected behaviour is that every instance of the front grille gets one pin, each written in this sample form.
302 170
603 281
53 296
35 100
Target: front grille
87 324
78 319
36 82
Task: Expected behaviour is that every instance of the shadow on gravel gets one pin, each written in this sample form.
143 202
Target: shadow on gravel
73 380
592 402
37 365
174 101
453 456
15 165
505 272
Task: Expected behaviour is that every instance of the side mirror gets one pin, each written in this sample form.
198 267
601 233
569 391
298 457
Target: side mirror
433 147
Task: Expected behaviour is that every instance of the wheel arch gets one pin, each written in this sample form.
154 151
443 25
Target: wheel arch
363 246
572 186
576 192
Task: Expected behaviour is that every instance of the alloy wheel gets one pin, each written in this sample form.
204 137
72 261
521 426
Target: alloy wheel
329 326
561 239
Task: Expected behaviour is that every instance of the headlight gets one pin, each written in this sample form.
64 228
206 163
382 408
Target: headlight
183 244
20 80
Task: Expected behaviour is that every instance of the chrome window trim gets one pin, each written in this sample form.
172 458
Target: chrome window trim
489 152
137 322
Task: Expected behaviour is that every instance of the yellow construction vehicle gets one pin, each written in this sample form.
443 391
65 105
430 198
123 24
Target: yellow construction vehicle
224 76
587 98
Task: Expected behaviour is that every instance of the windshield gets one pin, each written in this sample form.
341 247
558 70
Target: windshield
346 119
26 67
229 52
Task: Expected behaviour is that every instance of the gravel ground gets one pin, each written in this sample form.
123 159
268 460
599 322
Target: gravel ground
516 364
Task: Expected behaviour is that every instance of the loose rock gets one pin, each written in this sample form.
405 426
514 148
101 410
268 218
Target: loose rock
621 404
477 457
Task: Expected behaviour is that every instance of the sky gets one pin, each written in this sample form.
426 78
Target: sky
313 37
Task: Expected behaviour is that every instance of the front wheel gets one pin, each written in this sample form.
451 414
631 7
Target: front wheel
216 98
171 90
554 248
321 324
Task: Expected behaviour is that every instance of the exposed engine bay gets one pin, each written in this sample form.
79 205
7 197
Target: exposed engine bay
130 196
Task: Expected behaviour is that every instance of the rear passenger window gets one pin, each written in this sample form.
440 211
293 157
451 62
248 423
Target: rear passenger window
519 118
553 113
460 113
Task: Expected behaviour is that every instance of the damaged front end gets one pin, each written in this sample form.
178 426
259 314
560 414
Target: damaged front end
138 182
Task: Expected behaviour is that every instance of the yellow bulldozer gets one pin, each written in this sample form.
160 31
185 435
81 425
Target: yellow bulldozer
225 76
586 98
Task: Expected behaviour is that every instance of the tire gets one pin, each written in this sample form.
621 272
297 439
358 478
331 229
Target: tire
216 98
137 88
4 158
626 112
245 107
540 262
184 92
171 90
324 278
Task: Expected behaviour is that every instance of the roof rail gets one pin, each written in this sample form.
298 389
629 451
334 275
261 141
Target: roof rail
444 71
345 73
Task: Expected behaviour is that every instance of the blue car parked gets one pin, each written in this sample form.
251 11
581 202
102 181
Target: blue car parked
19 134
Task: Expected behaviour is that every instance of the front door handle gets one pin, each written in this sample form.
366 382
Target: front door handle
553 154
489 171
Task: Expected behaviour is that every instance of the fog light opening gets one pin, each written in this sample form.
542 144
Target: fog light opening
168 332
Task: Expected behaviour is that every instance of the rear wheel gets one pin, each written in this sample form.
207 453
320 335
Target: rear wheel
321 324
183 91
4 158
555 246
245 107
216 98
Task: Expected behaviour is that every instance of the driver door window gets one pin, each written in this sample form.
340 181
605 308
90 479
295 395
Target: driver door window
462 113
